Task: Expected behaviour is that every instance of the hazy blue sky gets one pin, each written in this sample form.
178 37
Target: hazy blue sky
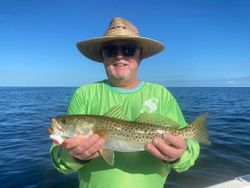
207 42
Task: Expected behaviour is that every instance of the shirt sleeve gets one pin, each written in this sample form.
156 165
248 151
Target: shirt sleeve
193 148
188 158
77 103
61 159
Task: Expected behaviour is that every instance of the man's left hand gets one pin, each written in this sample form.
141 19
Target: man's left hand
168 149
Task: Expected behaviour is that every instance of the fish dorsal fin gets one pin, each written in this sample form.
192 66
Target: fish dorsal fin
156 119
116 112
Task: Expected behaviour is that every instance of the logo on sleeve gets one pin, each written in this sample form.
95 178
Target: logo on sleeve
149 105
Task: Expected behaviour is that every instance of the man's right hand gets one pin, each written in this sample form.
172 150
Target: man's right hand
84 148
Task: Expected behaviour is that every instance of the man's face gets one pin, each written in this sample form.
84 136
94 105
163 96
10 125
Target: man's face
121 60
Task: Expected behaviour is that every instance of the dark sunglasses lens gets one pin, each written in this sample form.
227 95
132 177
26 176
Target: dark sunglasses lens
128 50
112 50
109 51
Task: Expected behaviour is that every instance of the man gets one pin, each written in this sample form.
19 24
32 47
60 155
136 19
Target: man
121 50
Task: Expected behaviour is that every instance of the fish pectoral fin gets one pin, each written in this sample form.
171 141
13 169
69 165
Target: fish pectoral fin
108 156
102 133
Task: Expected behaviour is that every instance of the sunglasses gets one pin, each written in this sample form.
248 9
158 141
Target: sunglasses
127 50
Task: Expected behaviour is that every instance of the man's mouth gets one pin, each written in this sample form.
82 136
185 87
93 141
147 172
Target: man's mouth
120 65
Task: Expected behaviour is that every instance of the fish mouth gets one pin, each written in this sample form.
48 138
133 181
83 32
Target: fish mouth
55 129
57 139
50 130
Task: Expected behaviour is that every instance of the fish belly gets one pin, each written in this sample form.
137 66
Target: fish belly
116 143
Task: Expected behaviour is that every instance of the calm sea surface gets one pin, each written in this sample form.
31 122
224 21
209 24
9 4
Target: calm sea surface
24 141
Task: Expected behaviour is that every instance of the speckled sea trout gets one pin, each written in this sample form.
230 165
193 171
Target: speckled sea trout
122 135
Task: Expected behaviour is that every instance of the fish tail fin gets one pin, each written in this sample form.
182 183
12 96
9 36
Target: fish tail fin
198 130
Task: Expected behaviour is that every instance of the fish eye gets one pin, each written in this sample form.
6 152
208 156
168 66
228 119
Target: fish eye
63 121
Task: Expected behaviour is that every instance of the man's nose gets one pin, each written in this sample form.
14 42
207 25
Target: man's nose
119 54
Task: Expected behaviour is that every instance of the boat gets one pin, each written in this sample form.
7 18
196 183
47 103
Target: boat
238 182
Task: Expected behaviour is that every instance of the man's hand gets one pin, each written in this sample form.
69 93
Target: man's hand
84 148
169 149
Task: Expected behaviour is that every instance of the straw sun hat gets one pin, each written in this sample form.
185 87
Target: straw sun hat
119 29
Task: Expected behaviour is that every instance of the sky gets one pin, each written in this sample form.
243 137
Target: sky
207 42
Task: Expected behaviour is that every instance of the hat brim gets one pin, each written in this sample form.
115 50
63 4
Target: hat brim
92 48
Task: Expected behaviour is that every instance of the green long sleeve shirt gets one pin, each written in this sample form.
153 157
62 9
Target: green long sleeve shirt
131 169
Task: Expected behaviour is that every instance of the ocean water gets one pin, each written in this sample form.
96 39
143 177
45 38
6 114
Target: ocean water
24 141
